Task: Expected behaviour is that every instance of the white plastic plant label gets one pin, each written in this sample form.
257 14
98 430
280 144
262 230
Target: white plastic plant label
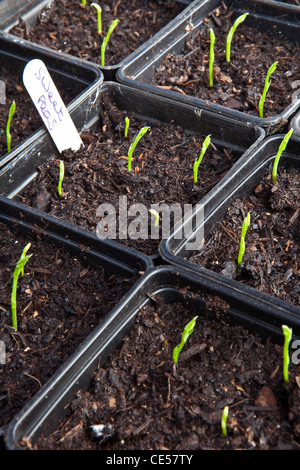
50 106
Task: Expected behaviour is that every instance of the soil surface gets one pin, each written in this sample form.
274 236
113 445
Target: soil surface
271 259
71 27
239 84
140 400
26 119
60 300
162 173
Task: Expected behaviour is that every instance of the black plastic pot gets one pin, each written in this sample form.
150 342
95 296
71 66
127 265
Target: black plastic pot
240 137
238 184
83 79
140 69
50 406
105 255
29 11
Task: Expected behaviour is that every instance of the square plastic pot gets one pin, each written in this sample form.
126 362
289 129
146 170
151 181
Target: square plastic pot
84 80
29 12
106 255
50 406
239 137
140 69
238 184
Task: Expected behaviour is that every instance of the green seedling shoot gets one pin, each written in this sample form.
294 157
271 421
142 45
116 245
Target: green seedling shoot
189 328
224 420
156 215
205 146
99 16
245 226
127 123
266 89
237 22
61 177
211 57
281 149
19 269
106 39
83 2
134 144
288 332
12 110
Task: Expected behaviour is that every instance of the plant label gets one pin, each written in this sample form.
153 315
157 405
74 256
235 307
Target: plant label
50 106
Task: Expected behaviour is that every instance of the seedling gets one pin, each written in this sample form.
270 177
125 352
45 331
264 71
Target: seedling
99 16
61 177
245 226
281 149
127 122
189 328
106 39
19 269
266 89
83 2
224 420
211 56
288 332
134 144
205 145
237 22
156 215
12 110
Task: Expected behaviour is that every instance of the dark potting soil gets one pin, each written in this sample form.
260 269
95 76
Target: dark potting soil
26 119
60 300
271 259
239 84
162 173
142 401
71 27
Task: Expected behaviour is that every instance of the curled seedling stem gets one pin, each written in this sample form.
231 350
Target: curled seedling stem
106 39
99 16
19 269
224 420
205 145
189 328
211 57
281 149
12 110
237 22
245 226
286 358
266 89
127 123
134 144
61 177
156 215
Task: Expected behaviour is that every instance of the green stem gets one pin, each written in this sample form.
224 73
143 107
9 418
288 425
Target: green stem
205 145
61 177
211 57
286 358
134 144
245 226
266 89
10 115
281 149
99 16
237 22
106 39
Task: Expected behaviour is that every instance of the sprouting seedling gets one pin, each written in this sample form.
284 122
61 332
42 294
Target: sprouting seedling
61 177
245 226
127 123
288 332
237 22
211 56
83 2
106 39
224 420
134 144
99 16
267 84
156 215
205 145
19 269
281 149
189 328
12 110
